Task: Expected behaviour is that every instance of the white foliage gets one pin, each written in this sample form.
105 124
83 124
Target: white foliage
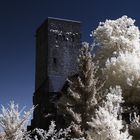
106 123
119 34
135 123
81 98
52 133
119 53
12 124
123 70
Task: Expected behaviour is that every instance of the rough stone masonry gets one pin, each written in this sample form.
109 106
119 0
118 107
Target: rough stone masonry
57 47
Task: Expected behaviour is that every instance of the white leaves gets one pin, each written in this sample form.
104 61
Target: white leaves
106 122
123 70
76 116
117 33
119 53
135 122
14 125
52 133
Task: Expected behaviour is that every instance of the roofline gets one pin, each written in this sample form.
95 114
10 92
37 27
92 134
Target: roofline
64 19
67 20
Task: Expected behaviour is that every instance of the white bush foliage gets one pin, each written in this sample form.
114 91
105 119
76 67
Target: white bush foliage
106 123
135 121
52 133
119 34
13 125
124 70
119 53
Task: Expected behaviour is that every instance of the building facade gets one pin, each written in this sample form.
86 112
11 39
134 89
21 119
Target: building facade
57 47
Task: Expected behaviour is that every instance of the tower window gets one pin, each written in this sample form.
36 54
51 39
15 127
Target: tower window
55 64
54 60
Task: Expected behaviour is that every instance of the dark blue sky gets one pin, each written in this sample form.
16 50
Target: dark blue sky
19 20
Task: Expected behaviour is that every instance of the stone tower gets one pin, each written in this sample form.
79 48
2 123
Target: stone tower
57 46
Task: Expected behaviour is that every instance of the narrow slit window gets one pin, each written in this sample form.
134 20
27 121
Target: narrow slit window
54 61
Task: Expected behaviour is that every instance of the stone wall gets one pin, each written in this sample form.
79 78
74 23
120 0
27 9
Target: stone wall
57 47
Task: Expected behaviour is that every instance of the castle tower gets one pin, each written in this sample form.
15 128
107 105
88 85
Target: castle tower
57 47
